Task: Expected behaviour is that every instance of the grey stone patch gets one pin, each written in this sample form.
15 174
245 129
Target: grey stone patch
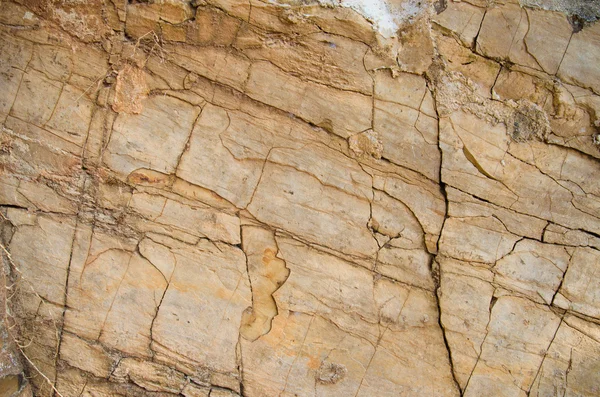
579 11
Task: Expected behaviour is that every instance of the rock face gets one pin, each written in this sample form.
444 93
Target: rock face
299 198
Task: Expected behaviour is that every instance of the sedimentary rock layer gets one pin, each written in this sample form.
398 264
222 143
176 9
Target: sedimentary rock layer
300 198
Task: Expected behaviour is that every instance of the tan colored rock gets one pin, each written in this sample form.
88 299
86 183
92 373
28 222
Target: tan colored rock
516 184
200 221
416 47
215 63
462 19
502 34
422 197
130 90
148 375
331 217
561 235
36 98
267 273
200 313
463 205
581 56
97 303
191 390
466 296
578 291
366 143
323 58
288 356
212 26
564 369
408 138
290 198
41 250
130 146
546 26
15 53
86 356
534 269
351 113
483 240
511 355
235 182
481 71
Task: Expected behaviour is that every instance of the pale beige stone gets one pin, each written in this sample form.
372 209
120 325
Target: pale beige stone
300 206
408 138
36 98
462 19
200 313
570 365
86 356
330 217
43 197
267 273
351 112
579 287
214 63
235 180
476 239
134 145
149 375
404 88
329 166
479 166
41 251
481 71
54 62
580 58
191 390
341 290
355 366
511 354
463 205
200 221
90 292
10 77
502 32
560 235
323 58
466 296
533 269
424 199
546 27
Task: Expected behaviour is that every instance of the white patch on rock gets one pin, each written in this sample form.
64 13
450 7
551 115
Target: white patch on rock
386 18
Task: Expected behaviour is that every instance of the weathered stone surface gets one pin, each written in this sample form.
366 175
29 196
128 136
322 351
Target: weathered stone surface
299 198
381 316
564 369
133 145
579 290
267 273
581 54
352 112
198 317
510 356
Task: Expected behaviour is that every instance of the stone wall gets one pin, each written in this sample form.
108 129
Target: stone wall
300 198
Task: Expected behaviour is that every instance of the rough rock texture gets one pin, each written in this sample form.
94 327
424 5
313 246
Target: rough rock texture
299 198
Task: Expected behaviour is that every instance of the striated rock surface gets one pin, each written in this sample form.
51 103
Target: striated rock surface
300 198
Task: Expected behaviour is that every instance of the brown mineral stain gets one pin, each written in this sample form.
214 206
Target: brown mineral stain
130 90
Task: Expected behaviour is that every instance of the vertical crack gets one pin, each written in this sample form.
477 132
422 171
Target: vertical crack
436 271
